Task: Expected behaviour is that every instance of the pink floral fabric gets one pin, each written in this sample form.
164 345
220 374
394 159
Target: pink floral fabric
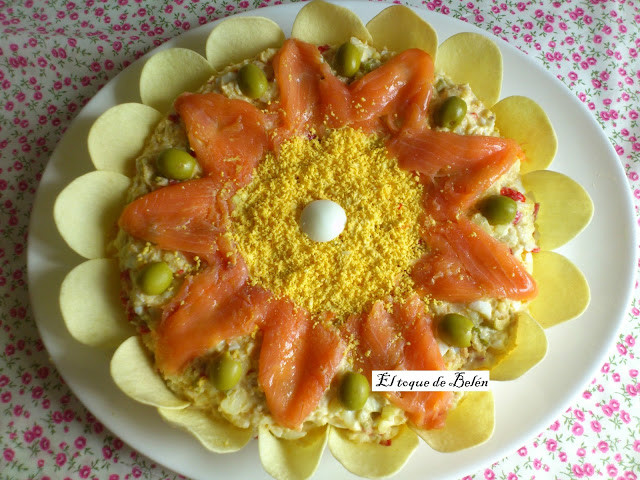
55 56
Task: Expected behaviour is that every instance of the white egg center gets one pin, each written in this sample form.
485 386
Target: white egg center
322 220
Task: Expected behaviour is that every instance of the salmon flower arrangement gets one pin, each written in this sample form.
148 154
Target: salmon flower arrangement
281 218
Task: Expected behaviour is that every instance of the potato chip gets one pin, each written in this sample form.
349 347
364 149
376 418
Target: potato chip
474 59
323 23
523 120
239 38
118 135
398 28
470 423
529 347
565 207
563 291
291 459
87 210
373 460
90 304
134 373
215 433
169 73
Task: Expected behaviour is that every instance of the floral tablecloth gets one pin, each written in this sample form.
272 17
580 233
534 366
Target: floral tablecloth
55 56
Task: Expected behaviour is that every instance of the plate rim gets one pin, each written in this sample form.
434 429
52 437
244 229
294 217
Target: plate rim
371 8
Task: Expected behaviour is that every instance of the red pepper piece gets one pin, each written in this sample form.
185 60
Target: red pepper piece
518 217
536 208
513 194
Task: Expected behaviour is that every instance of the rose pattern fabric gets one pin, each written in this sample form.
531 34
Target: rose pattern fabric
54 57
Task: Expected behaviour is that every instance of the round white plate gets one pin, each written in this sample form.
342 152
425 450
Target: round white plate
605 252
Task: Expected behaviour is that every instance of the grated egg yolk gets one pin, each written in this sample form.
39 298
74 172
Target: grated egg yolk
370 259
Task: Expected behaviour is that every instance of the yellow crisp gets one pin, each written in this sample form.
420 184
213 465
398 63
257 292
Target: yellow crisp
371 257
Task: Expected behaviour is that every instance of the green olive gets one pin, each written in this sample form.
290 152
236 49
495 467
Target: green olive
155 278
451 112
354 391
498 209
455 329
252 81
225 372
347 60
176 164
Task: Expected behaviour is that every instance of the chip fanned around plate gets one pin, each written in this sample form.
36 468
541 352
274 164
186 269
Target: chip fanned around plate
529 347
373 460
416 32
564 291
86 211
526 122
169 73
470 423
291 459
90 304
135 374
118 135
215 434
324 23
474 59
240 38
565 207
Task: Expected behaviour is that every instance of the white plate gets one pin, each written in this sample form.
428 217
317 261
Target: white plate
605 252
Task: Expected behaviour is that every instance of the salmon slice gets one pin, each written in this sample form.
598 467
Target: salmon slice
466 264
429 151
189 216
457 169
298 360
461 191
228 136
215 305
402 340
397 92
311 96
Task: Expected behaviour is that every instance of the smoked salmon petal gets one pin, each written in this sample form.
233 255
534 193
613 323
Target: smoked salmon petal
457 169
462 188
397 93
402 340
311 96
189 216
467 264
430 151
298 360
228 136
216 304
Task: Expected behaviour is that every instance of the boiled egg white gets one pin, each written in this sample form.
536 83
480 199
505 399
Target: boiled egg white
322 220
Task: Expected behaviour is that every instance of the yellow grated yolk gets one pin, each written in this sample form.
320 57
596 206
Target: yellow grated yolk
369 260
